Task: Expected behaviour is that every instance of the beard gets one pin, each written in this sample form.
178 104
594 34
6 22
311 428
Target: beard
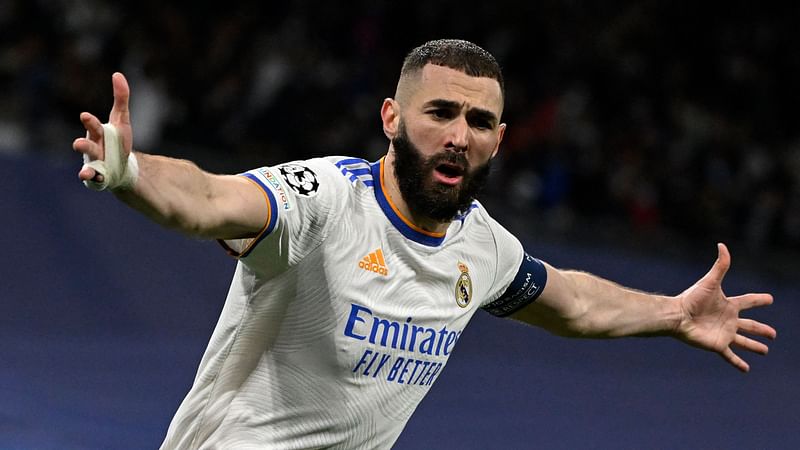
422 193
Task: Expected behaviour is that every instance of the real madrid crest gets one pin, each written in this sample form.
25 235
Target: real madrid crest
463 286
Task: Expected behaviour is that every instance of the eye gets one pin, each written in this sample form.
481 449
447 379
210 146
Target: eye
481 124
441 113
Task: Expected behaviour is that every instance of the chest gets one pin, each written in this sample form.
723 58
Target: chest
400 279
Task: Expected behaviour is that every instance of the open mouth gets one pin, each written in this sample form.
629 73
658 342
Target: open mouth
449 173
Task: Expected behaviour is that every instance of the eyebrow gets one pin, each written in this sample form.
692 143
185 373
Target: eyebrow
478 113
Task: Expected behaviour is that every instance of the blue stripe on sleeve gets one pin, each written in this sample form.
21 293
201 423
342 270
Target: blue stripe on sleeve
273 214
347 161
361 171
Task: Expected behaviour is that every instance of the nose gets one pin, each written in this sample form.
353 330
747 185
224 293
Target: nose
458 135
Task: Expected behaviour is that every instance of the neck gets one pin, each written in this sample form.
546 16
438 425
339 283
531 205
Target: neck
392 191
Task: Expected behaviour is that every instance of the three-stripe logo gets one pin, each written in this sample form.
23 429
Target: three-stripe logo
374 262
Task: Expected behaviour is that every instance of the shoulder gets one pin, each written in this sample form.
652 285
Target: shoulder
317 173
354 170
319 176
478 221
477 216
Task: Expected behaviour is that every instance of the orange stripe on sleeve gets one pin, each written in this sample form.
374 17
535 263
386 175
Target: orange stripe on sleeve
252 241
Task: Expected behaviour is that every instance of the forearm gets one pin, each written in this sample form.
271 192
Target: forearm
178 194
611 310
579 304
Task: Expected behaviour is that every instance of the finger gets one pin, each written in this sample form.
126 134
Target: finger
88 147
748 301
750 344
87 173
92 150
735 360
757 328
119 112
721 265
93 126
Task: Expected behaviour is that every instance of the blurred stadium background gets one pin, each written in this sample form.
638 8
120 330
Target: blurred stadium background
640 133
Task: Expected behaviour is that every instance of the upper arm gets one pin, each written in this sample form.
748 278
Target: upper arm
240 206
298 201
520 278
525 285
557 306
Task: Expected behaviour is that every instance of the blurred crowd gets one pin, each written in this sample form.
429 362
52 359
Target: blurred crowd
647 115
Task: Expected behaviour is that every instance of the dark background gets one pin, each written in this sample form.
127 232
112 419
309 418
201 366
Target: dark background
640 134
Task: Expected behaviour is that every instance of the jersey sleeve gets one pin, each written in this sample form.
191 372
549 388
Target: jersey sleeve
520 277
303 198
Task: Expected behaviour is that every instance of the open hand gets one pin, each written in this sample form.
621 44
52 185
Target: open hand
92 145
711 320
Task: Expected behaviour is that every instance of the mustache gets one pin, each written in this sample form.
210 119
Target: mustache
449 157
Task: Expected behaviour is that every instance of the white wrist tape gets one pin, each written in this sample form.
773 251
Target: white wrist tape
117 172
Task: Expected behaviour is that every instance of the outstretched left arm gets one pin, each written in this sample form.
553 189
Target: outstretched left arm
579 304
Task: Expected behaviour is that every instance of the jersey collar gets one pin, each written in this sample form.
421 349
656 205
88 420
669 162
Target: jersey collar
403 224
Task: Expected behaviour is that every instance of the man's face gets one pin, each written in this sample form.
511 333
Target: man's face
419 181
447 132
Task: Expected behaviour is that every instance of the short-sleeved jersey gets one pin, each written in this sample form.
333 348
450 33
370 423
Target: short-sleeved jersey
342 313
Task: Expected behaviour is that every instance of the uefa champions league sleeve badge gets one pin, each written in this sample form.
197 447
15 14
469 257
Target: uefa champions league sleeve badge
300 179
463 289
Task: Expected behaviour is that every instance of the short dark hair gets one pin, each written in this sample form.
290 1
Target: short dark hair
455 54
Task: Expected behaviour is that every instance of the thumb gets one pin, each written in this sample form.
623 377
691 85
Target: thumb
720 267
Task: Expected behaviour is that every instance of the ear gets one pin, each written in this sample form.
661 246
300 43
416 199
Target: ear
501 131
390 116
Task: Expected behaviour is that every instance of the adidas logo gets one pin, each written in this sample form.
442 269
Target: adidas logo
374 263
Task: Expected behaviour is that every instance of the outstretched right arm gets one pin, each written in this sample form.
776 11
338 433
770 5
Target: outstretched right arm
172 192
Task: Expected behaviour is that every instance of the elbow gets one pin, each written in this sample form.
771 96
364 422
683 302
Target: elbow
592 324
573 321
198 229
580 327
184 224
578 311
196 219
578 322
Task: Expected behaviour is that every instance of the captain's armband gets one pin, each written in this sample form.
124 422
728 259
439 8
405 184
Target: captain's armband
527 285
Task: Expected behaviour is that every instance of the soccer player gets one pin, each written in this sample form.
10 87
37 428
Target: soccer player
355 279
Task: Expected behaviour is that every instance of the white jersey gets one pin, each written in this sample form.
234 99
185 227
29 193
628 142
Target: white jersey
342 313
